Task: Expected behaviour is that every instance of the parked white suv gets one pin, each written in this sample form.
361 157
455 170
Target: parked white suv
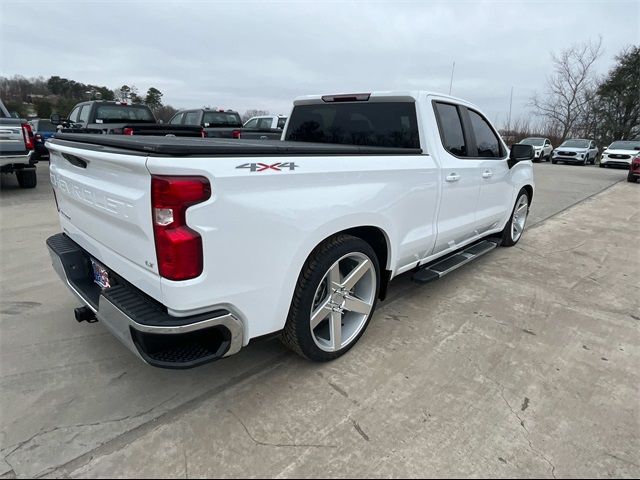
620 153
542 147
576 151
188 248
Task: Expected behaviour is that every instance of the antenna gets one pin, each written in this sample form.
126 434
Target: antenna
451 83
510 107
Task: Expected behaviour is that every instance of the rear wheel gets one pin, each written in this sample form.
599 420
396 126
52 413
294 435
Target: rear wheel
515 226
27 178
334 299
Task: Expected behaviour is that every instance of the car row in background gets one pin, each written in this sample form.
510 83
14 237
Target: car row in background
220 123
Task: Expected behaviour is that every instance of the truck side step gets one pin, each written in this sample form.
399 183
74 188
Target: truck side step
441 267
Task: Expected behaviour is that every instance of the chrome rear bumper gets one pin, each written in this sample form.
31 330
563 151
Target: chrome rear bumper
142 324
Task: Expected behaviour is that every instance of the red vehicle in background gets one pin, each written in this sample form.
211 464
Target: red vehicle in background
634 169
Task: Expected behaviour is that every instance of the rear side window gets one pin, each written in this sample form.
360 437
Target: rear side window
451 131
191 118
376 124
486 140
251 123
264 123
177 119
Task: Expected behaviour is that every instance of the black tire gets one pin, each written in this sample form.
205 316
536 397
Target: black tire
507 240
631 178
297 334
554 162
602 165
27 178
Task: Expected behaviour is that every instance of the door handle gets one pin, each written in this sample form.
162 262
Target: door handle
487 174
452 177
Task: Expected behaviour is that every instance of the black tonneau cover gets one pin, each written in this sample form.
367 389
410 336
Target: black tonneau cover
185 146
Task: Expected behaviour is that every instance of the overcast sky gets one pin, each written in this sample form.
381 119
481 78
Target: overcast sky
262 54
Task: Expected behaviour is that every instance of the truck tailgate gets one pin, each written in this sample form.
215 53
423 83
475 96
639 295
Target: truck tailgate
104 201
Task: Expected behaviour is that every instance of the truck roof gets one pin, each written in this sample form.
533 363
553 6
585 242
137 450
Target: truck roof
380 96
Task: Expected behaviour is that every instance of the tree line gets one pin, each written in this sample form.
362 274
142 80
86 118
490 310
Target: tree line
578 104
41 97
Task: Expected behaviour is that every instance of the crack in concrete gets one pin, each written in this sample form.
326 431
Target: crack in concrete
23 443
267 444
527 434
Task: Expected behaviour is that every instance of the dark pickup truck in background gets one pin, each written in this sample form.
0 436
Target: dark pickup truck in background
218 123
119 118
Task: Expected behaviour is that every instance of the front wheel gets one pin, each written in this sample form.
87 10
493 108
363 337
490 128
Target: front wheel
631 178
515 226
334 299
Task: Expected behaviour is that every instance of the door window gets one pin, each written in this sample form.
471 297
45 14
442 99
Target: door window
486 140
191 118
252 123
74 114
177 119
84 113
264 123
451 132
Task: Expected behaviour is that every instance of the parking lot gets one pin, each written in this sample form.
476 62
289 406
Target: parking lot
525 363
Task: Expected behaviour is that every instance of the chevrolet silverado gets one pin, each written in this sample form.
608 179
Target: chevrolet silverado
189 248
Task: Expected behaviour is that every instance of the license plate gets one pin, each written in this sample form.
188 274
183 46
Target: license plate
100 275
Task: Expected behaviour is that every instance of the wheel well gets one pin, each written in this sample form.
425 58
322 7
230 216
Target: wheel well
529 190
375 237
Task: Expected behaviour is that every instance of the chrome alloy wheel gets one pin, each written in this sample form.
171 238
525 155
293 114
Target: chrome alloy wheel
343 302
519 217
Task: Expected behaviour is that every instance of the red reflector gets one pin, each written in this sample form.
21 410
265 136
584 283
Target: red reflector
203 134
27 133
127 131
178 248
235 134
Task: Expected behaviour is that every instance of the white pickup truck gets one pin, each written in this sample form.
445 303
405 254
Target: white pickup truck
188 248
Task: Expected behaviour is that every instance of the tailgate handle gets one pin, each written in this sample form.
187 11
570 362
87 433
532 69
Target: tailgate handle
77 161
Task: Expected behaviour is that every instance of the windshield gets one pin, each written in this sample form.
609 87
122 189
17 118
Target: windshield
221 119
576 144
536 142
110 113
376 124
625 145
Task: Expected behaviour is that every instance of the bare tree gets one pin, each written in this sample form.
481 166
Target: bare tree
253 113
569 88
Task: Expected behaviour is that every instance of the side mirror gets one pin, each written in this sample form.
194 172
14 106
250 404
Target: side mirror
520 153
160 122
56 119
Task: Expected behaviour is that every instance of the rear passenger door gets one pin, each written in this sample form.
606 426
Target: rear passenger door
460 177
496 191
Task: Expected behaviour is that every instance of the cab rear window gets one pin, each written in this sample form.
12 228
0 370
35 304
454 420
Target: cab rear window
221 119
383 124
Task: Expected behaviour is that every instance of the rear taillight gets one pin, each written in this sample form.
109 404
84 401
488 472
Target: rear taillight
127 131
178 248
27 133
235 134
203 134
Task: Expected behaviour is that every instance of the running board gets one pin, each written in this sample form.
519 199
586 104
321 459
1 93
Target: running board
434 271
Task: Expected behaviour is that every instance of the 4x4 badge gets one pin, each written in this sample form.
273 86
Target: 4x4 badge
263 167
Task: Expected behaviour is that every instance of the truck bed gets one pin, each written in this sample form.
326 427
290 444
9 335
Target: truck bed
185 146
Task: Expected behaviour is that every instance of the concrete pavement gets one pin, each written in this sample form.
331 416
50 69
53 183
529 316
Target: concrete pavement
524 363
